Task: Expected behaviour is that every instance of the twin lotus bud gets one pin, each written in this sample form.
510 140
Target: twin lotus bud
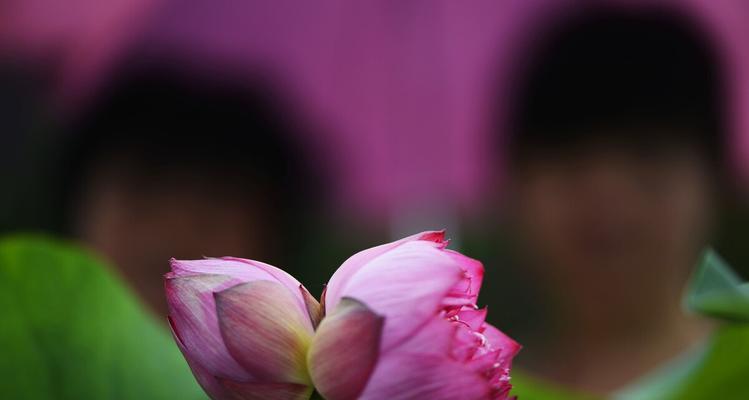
397 321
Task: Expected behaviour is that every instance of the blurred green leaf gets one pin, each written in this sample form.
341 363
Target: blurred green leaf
724 371
668 379
70 330
717 291
718 370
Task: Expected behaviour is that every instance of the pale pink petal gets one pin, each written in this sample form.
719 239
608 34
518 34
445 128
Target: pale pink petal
433 338
280 275
265 331
344 350
406 285
404 376
264 391
207 380
351 266
193 315
218 266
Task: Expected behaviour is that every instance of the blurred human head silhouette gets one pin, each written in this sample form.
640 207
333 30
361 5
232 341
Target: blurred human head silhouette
615 147
168 164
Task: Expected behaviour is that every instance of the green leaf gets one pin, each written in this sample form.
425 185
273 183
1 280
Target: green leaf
717 291
723 372
70 330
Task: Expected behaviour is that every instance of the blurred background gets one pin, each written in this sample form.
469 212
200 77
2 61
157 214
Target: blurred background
300 132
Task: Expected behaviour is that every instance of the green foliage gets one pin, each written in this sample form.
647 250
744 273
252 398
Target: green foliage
70 330
717 291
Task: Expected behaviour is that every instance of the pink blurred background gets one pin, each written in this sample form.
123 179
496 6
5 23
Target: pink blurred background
400 87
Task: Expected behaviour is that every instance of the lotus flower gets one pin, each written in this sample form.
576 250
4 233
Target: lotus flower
243 326
402 323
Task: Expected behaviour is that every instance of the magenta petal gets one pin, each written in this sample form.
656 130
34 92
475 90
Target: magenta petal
474 319
264 391
406 285
193 316
265 331
498 340
344 350
341 277
404 376
473 268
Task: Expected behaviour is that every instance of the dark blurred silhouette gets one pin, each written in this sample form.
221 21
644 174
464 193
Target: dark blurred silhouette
170 164
615 149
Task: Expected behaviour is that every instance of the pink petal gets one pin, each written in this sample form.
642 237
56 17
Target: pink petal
433 338
474 269
343 275
473 318
404 376
239 268
193 315
218 266
265 331
280 275
344 350
498 340
264 391
406 285
207 380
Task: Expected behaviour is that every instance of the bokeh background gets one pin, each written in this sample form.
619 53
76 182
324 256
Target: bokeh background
383 126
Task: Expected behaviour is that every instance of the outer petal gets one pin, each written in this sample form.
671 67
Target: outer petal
406 285
343 275
241 269
265 331
207 381
344 350
404 376
193 315
264 391
218 266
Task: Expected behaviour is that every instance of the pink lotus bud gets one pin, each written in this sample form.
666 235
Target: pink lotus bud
243 326
402 323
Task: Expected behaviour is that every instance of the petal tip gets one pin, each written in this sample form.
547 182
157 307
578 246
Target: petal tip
314 309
